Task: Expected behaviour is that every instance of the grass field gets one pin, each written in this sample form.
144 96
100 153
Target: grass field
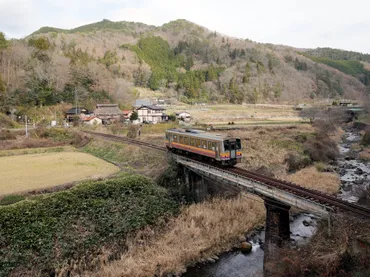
23 173
240 114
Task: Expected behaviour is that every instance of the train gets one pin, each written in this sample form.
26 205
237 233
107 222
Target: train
218 148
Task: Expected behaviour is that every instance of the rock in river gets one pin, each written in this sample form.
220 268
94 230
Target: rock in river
246 247
359 171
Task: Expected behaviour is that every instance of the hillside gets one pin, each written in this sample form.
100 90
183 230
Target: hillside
113 61
349 62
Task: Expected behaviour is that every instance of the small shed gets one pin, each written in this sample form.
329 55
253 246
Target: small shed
92 120
108 112
185 116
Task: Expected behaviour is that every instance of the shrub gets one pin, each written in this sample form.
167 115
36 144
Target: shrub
366 138
297 161
133 131
320 167
44 233
6 135
56 134
301 138
11 199
321 148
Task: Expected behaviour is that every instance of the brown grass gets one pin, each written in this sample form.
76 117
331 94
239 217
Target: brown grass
217 114
200 231
365 154
337 135
22 142
26 151
311 178
36 171
269 146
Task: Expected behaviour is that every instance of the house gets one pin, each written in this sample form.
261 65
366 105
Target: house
92 120
184 116
127 114
108 112
151 113
79 112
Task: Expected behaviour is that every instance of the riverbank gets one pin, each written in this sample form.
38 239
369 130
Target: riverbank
198 233
342 248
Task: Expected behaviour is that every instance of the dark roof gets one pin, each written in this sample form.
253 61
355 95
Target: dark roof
78 110
152 107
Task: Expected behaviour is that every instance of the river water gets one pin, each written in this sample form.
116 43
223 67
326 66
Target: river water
354 175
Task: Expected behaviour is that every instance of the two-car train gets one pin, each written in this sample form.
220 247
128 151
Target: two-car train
216 147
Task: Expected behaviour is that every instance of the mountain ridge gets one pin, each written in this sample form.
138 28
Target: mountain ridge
112 61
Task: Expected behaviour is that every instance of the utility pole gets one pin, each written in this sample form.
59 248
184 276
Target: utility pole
76 101
26 126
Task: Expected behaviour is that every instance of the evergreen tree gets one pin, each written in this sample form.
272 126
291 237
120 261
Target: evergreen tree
134 116
247 73
270 65
3 41
189 63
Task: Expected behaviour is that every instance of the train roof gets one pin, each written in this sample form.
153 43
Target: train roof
200 134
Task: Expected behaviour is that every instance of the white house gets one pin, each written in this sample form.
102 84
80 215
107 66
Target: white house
92 120
185 116
151 113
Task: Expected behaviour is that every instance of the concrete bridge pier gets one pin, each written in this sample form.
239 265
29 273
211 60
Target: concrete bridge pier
196 185
277 232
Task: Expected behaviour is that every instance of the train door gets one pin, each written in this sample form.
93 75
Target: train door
170 140
232 149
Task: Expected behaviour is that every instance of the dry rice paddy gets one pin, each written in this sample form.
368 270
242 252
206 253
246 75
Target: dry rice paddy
37 171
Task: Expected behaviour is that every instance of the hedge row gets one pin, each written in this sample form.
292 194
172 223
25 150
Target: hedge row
45 232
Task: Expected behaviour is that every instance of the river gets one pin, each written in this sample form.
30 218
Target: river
354 175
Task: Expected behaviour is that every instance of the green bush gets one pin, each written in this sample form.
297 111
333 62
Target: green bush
320 166
297 161
47 232
11 199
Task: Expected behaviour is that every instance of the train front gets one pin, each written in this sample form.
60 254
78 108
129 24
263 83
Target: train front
231 153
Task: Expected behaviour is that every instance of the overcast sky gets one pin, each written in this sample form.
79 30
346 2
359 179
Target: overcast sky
307 24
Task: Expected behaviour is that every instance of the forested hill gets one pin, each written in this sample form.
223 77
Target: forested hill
116 61
349 62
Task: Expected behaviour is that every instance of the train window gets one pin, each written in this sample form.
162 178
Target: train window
181 140
210 145
204 144
191 141
197 143
232 145
226 145
213 146
174 138
186 141
238 144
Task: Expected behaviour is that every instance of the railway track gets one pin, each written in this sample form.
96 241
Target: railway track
127 140
310 194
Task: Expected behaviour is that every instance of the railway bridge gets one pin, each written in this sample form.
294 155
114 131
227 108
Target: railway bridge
279 196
